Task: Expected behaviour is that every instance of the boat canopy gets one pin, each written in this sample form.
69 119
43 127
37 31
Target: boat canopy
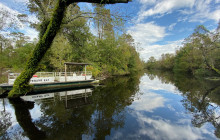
75 63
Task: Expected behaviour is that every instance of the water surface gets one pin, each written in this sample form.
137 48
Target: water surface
152 106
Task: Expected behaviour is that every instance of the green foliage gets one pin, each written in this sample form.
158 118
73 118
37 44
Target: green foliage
58 54
20 55
111 56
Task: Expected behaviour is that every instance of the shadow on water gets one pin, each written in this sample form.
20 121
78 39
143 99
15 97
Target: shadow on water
201 97
76 114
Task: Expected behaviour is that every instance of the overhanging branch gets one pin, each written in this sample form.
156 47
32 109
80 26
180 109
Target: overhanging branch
99 1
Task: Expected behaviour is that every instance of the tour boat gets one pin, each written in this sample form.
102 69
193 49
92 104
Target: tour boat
55 80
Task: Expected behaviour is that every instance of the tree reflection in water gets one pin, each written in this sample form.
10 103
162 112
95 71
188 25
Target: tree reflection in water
200 97
24 119
111 102
94 120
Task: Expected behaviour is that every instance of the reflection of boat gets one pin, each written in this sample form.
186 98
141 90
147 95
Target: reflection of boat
72 99
76 98
55 80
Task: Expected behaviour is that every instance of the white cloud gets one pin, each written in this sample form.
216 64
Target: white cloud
8 17
164 7
157 50
203 11
33 19
147 1
30 32
215 15
197 10
170 28
147 33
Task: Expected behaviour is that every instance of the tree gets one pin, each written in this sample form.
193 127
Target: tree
209 44
59 52
5 53
103 21
151 63
47 36
188 59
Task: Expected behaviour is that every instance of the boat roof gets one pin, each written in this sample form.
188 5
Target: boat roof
75 63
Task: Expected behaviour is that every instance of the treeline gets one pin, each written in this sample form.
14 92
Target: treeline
108 52
198 56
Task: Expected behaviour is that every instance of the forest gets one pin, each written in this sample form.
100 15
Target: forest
198 56
110 52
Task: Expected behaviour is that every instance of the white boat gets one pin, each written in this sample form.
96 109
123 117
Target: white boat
55 80
50 77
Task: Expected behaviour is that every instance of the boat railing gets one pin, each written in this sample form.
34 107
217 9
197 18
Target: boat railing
53 74
38 74
13 75
45 74
78 73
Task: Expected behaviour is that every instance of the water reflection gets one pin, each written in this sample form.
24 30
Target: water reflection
148 102
158 106
73 98
24 119
160 128
201 97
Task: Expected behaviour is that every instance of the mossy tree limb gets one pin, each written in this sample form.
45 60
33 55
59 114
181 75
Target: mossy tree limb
21 83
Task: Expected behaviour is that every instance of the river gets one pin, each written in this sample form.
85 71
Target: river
154 106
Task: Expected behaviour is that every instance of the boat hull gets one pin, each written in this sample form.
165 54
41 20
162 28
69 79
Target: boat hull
55 85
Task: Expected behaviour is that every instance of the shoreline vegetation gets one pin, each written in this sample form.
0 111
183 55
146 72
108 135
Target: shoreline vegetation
199 56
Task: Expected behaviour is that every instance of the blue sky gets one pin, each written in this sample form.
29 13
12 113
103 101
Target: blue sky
158 26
